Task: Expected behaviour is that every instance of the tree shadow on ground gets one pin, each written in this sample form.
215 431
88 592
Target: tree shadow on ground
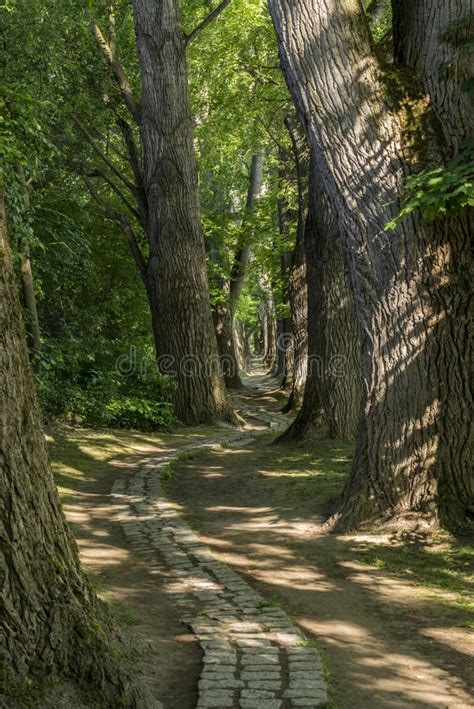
389 621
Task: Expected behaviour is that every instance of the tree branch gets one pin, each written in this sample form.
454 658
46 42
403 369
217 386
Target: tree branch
103 156
117 191
135 162
108 50
132 151
207 21
124 225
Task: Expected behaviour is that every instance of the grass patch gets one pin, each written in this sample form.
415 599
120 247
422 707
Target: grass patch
438 562
316 471
269 603
310 477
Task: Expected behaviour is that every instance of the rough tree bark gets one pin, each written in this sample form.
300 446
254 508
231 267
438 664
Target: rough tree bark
285 339
51 624
165 203
332 392
176 278
410 284
297 290
27 282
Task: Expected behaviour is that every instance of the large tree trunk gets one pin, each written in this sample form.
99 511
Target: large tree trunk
332 392
176 276
410 284
285 339
228 353
297 290
27 283
52 625
425 35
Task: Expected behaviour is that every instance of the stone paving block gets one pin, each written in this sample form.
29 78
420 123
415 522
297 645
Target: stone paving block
220 684
220 676
309 702
216 645
206 701
264 684
314 665
257 694
288 638
260 659
304 675
260 704
220 659
307 693
254 676
294 651
254 645
305 684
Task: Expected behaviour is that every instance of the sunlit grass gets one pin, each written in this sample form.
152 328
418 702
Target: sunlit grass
314 473
317 470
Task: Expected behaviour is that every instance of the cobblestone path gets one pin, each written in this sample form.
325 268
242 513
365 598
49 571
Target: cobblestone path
253 655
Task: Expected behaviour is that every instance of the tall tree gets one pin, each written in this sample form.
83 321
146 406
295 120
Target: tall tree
369 129
333 387
166 192
224 312
297 282
51 622
27 281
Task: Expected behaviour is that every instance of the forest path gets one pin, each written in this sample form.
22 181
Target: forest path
163 582
386 642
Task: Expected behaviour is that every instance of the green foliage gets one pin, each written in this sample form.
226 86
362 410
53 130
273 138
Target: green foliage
441 191
83 395
141 414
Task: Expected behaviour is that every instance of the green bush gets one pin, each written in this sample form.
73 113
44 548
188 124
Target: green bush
143 414
70 388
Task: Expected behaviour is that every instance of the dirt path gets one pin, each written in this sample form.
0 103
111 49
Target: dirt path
168 654
379 647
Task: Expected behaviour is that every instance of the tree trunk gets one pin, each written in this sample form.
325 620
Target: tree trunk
410 284
52 625
284 324
332 392
224 321
242 255
425 36
285 340
297 290
270 355
176 277
28 289
228 354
